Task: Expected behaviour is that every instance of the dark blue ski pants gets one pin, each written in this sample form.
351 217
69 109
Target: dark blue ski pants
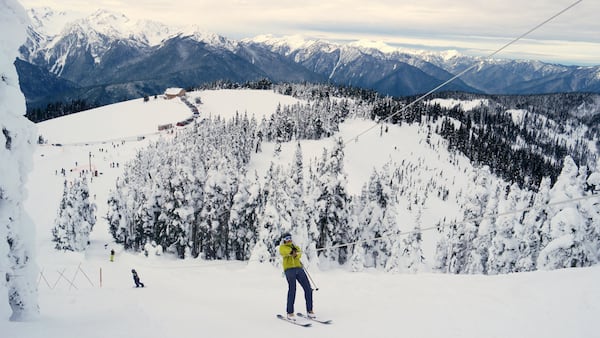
297 274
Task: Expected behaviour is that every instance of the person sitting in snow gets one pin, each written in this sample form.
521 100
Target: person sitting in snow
136 279
295 272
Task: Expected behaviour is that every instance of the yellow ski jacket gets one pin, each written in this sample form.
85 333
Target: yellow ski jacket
289 261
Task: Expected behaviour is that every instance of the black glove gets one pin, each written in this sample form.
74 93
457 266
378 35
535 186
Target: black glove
294 251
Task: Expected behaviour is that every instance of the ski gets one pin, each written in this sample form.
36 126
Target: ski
302 315
284 318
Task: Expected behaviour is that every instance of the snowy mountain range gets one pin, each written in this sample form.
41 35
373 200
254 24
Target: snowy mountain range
106 57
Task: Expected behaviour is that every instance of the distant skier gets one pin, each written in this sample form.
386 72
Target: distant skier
294 271
112 255
136 279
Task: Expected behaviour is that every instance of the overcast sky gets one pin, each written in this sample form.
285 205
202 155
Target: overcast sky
473 27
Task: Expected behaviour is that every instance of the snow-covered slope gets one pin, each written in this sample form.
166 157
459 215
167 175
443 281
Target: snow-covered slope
126 120
87 295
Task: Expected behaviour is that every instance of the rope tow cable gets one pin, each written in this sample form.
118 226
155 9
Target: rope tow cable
466 70
475 219
422 97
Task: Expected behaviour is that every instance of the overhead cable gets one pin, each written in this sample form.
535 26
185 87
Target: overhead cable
422 97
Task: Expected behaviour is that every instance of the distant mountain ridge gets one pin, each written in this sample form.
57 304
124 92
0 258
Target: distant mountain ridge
105 57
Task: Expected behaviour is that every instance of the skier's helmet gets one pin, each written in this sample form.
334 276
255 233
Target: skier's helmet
286 237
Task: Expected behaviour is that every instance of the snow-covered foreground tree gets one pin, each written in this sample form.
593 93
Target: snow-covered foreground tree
17 268
573 228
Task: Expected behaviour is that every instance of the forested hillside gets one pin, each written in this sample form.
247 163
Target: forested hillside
192 194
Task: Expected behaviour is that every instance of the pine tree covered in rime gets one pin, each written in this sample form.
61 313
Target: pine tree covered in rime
480 255
531 235
148 213
115 214
312 191
442 247
151 189
303 225
18 288
243 142
406 253
219 189
591 211
133 205
332 205
183 194
412 252
243 220
76 217
503 252
356 261
275 218
375 222
147 184
177 211
589 253
62 234
460 237
194 193
569 223
369 219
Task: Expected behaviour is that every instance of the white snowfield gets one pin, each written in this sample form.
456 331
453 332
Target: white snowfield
86 295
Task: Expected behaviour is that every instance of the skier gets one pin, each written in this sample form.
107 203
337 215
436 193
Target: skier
112 255
294 271
136 279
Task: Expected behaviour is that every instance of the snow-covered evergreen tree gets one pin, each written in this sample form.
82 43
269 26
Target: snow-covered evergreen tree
76 217
461 236
569 224
412 253
370 220
17 139
357 258
219 189
591 210
275 218
376 219
312 191
303 225
133 206
531 232
332 205
503 253
243 220
479 256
